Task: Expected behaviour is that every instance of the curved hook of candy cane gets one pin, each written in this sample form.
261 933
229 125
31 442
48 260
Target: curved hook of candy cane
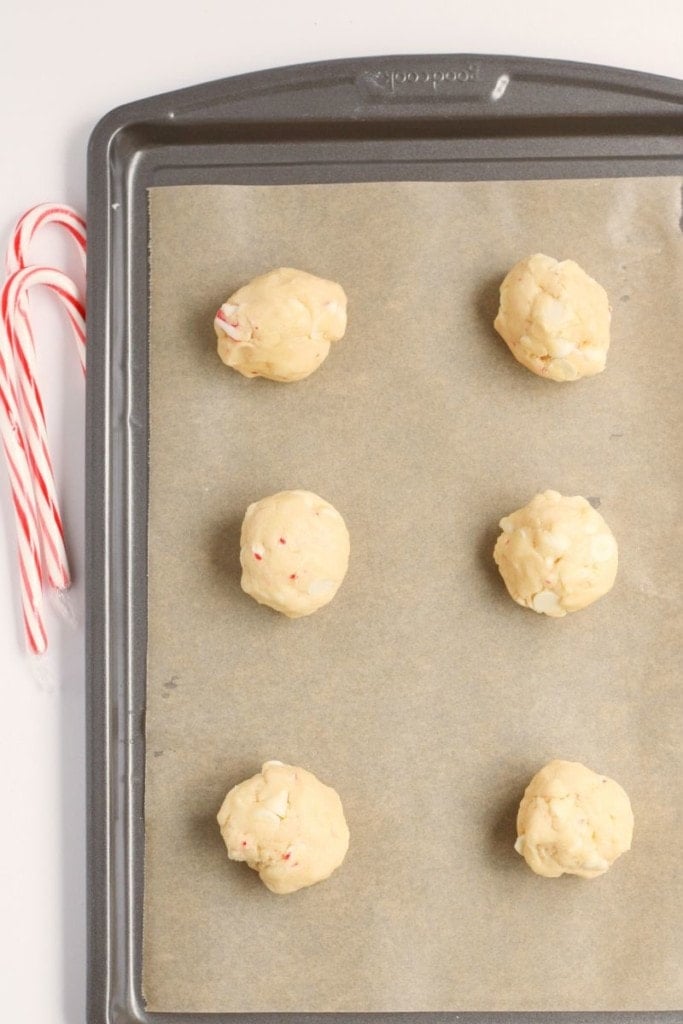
39 217
23 502
18 284
28 399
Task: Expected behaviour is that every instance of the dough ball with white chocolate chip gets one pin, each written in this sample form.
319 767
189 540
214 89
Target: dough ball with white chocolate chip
573 821
554 318
281 325
556 555
294 552
285 824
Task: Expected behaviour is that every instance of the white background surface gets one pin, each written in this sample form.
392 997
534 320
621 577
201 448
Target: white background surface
62 66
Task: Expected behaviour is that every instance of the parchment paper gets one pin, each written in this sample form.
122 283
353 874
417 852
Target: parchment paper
423 694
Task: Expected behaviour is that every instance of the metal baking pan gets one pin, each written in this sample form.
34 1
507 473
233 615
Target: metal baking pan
444 117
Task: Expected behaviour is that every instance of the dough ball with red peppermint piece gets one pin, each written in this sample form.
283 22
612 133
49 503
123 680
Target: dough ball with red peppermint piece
287 825
554 318
573 821
281 325
556 555
294 552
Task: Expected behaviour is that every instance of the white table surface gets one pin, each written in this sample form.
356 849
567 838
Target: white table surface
62 67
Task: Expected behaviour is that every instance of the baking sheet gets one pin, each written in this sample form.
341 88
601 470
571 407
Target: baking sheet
422 693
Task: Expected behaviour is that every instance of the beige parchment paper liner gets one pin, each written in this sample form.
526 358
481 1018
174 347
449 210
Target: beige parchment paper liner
422 693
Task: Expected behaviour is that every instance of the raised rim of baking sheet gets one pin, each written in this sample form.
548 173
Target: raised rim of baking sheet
458 117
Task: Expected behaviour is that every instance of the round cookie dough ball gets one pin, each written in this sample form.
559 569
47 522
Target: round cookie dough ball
556 555
554 318
281 325
294 552
286 825
573 821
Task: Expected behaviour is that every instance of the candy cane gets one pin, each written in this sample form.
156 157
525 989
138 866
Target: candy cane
14 310
23 501
39 217
31 405
22 417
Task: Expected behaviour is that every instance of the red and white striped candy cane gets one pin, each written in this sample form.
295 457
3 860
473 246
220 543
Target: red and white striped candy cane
39 217
31 405
14 311
23 501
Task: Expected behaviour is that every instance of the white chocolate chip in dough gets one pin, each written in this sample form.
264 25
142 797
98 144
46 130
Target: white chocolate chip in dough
557 543
264 814
546 602
554 318
562 347
603 547
565 370
556 555
595 863
277 804
318 588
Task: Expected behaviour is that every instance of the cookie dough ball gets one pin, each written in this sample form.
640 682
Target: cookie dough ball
573 821
281 325
556 555
286 825
294 552
554 318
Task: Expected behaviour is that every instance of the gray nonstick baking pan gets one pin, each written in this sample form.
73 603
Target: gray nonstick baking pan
444 117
